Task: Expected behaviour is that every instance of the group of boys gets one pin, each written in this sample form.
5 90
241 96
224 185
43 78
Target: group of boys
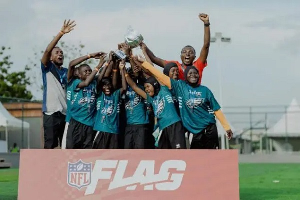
85 108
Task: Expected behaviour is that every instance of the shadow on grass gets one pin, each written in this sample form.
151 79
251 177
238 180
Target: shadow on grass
269 194
6 197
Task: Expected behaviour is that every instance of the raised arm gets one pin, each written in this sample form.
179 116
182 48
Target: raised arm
205 48
122 70
102 73
81 59
115 74
158 61
161 78
91 77
67 27
134 86
109 68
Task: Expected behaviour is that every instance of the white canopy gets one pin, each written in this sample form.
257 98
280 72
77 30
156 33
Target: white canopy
289 123
8 123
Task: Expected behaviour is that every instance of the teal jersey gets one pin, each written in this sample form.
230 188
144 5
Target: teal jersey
83 103
69 99
136 108
164 108
196 105
108 109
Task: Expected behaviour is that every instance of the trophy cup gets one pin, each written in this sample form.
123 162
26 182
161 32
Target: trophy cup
133 38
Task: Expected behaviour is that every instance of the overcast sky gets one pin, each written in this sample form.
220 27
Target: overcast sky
259 67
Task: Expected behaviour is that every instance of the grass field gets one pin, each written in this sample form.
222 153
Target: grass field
257 182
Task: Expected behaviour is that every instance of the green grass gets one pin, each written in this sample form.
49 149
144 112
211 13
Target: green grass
256 182
9 184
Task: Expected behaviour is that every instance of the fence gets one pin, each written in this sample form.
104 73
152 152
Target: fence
265 128
256 128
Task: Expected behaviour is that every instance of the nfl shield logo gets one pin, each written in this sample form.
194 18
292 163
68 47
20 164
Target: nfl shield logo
79 174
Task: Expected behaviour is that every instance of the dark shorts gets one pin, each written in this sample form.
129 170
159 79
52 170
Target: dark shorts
106 140
79 136
172 137
54 126
206 139
136 136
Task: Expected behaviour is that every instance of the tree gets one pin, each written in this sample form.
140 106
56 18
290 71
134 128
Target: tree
34 64
13 84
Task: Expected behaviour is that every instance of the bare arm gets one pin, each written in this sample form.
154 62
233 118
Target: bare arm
67 27
109 69
205 48
163 79
124 84
79 60
158 61
89 79
115 75
101 75
146 54
134 86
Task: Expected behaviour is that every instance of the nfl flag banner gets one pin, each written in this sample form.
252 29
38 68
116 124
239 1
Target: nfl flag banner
128 174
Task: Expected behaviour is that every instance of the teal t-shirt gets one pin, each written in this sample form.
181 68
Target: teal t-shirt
108 108
69 99
164 108
196 105
136 108
83 103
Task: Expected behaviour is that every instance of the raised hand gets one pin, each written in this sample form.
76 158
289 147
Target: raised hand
143 46
125 48
141 58
229 134
122 65
68 26
98 55
204 17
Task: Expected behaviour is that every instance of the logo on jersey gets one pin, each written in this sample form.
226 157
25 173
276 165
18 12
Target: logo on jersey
159 106
88 96
133 101
108 108
195 99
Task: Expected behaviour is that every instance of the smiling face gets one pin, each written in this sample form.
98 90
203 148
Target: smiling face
192 76
106 88
84 72
149 89
57 56
188 55
173 73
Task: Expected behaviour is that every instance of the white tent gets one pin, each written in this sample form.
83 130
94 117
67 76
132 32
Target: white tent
289 123
9 123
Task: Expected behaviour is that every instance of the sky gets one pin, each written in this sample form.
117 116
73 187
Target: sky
259 67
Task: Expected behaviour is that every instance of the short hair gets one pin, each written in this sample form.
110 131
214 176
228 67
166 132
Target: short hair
82 65
189 46
106 81
56 47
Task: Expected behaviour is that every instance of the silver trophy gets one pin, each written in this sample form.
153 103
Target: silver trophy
133 38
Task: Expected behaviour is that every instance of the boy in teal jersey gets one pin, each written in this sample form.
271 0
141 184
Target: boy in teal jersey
71 76
197 105
69 98
137 126
107 115
169 122
80 134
